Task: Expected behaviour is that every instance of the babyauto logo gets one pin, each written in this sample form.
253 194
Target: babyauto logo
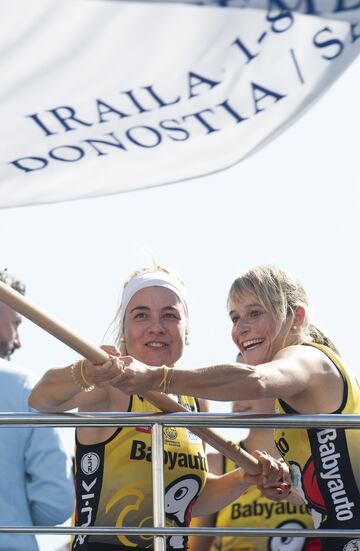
90 463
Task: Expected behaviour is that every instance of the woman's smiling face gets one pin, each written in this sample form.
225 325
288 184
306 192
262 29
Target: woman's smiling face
255 332
154 327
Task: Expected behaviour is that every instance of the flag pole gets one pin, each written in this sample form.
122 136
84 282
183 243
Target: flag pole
95 354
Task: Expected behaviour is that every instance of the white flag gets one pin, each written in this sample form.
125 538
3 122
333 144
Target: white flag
100 97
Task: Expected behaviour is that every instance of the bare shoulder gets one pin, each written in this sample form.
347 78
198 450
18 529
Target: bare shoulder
308 358
313 371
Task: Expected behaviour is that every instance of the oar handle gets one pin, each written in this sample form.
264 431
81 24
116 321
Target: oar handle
96 355
228 448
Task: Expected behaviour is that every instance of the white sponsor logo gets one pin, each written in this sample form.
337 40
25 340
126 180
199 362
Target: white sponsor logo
331 473
90 463
88 509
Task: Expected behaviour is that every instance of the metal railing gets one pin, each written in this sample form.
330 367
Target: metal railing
156 421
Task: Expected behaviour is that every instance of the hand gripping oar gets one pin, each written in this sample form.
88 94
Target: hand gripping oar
96 355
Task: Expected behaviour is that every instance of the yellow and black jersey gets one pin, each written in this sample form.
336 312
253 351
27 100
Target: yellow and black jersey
114 482
325 463
253 510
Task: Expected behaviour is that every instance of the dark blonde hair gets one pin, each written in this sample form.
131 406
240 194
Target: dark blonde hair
280 294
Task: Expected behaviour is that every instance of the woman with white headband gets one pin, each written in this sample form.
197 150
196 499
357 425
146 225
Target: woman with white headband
113 466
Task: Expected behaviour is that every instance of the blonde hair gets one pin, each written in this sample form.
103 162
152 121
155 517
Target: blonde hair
118 326
280 294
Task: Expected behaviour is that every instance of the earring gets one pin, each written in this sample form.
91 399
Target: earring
294 327
187 342
122 339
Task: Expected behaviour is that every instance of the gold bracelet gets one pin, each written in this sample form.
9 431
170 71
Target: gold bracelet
73 374
82 367
162 384
171 374
82 383
87 387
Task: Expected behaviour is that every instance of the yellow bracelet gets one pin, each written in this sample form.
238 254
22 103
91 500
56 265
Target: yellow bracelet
162 384
167 386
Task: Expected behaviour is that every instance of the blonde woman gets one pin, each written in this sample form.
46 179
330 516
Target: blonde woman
113 466
287 358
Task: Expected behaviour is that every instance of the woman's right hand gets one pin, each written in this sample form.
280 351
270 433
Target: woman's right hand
107 373
136 377
274 482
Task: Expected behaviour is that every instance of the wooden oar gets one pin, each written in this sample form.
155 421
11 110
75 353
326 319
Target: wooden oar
96 355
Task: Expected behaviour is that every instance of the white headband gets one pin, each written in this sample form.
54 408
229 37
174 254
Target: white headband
153 279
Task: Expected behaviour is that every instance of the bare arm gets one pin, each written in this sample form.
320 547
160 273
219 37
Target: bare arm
61 389
57 392
289 374
220 490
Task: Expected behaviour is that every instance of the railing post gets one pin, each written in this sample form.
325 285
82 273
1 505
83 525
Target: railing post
158 484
